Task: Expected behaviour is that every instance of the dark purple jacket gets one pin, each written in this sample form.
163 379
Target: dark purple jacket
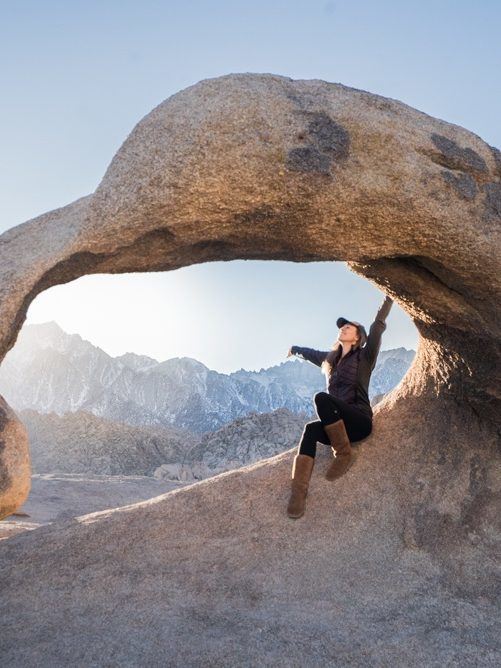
350 377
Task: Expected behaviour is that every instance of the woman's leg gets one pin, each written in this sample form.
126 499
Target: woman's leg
342 424
312 432
302 467
330 409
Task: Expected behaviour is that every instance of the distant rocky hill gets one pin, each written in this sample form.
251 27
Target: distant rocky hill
83 443
244 441
49 370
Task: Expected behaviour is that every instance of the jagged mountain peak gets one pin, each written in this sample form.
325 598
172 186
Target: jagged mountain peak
136 362
188 364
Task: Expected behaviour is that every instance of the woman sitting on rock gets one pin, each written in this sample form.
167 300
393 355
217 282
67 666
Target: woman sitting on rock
344 411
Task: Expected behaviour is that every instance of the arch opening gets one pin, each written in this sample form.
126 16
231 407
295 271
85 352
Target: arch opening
84 377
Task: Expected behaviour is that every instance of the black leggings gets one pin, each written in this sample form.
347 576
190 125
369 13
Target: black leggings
330 409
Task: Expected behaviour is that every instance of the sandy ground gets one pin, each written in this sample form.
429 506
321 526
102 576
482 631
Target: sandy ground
57 496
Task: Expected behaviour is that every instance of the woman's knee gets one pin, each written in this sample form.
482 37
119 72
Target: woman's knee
367 431
310 427
361 432
323 402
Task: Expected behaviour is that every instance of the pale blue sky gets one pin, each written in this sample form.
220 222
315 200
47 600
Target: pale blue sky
77 77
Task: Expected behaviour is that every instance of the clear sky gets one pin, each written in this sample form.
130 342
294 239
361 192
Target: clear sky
77 76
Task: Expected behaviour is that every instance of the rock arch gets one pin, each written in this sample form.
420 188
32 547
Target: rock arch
261 166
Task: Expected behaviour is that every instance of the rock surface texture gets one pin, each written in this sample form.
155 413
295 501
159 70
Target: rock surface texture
396 562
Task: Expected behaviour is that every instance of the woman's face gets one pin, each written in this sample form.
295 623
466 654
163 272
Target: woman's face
348 333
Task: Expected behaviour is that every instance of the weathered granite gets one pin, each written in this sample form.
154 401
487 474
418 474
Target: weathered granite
15 469
393 564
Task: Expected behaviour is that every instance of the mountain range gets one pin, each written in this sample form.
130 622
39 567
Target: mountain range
51 371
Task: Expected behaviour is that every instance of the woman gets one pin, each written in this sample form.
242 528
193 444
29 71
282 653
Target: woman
344 411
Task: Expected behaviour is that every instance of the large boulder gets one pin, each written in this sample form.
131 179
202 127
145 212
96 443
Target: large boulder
15 469
395 563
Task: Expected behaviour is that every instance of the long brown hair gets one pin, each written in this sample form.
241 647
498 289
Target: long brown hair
335 353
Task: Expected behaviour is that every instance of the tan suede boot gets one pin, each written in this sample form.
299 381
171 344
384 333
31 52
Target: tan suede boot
340 443
302 467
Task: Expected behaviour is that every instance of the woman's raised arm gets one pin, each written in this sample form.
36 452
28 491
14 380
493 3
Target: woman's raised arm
376 330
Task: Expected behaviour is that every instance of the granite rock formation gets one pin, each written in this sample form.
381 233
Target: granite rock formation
81 442
396 562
